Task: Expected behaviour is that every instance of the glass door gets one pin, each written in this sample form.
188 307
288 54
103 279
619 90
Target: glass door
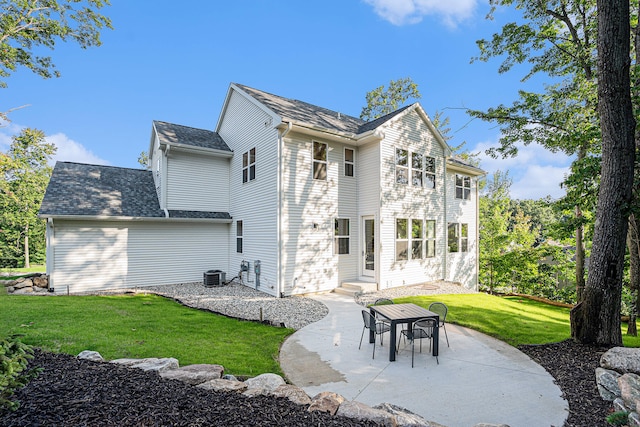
369 245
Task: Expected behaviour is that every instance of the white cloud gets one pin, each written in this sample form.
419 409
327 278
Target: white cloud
68 150
536 172
72 151
402 12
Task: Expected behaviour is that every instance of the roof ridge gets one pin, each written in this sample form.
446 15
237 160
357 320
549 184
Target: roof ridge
184 126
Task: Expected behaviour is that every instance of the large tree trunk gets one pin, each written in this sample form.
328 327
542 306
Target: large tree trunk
633 244
26 246
596 319
580 257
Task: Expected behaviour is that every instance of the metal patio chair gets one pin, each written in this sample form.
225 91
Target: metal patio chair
441 309
371 323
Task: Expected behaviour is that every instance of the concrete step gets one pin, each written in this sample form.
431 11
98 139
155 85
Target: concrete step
354 287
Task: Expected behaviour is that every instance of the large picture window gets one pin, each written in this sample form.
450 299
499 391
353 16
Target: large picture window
320 161
341 236
249 165
463 187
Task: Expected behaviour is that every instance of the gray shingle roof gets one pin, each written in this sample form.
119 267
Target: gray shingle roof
91 190
170 133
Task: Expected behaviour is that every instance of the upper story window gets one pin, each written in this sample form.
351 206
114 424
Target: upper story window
249 165
415 168
402 166
341 236
239 236
463 187
349 161
320 150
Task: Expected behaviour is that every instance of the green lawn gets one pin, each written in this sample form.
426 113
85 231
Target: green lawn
514 320
16 272
142 326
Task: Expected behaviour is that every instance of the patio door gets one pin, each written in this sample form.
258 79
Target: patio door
369 246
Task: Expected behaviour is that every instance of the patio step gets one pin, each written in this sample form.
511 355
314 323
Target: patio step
352 288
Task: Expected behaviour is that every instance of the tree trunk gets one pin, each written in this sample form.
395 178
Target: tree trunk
580 256
633 244
596 319
26 246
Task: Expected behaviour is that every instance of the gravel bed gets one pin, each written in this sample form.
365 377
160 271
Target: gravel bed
431 288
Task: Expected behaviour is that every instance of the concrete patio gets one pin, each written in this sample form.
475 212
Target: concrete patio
479 379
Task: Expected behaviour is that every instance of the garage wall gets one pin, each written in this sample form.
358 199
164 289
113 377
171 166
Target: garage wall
90 256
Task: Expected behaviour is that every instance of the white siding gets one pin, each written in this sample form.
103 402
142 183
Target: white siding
406 201
90 255
246 126
461 266
368 171
309 210
157 167
197 182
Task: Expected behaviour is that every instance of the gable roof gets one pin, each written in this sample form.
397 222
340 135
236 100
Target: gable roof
170 133
77 189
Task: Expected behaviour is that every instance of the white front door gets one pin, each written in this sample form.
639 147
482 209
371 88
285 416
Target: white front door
369 247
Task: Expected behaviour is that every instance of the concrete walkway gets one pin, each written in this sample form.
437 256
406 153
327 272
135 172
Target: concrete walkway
479 379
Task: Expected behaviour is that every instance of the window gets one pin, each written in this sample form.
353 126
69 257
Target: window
239 237
430 238
249 165
458 237
416 169
319 161
429 172
416 239
402 239
349 161
463 187
402 166
341 236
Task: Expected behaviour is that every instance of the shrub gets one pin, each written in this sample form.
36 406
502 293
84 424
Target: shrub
14 357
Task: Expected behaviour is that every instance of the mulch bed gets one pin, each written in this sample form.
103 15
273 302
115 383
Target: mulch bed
72 392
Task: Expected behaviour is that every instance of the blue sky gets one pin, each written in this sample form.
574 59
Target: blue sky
173 61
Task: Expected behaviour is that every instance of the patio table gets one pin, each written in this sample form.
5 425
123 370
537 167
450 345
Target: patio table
403 313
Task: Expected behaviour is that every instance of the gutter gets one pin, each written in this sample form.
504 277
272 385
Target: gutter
134 218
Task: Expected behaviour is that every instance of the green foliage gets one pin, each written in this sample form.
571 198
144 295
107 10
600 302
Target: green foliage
143 159
24 176
618 418
138 326
26 26
14 357
381 101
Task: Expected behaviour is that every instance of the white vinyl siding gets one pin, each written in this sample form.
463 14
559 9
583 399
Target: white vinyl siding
90 256
245 126
197 182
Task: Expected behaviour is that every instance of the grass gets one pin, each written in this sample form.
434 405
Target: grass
514 320
17 272
138 326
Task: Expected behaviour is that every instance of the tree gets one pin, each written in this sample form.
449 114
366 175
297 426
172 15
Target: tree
143 159
596 319
26 25
381 101
24 175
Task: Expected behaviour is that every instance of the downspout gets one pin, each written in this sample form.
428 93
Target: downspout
444 223
50 252
477 235
164 174
280 279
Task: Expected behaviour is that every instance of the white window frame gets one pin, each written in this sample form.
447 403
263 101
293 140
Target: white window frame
319 162
429 172
463 187
349 164
417 169
402 168
249 165
459 238
430 238
239 236
402 242
417 241
339 236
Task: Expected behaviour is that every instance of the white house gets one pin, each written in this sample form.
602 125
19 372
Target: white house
312 197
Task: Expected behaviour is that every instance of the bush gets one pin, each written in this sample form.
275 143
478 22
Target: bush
14 357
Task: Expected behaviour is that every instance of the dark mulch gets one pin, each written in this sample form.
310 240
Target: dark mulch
72 392
573 366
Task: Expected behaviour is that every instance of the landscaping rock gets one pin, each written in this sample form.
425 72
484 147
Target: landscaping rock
40 281
607 381
22 283
223 385
406 418
622 359
7 283
22 291
194 374
360 411
150 364
94 356
326 401
293 393
630 390
263 384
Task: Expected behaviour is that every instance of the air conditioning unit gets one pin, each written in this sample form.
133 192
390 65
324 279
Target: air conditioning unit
214 278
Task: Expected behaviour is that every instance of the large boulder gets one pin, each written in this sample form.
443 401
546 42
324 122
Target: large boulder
150 364
22 283
194 374
94 356
406 418
40 281
622 359
293 393
630 390
326 401
263 384
360 411
607 381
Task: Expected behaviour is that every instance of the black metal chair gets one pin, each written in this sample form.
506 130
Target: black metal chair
441 309
383 301
421 329
372 324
